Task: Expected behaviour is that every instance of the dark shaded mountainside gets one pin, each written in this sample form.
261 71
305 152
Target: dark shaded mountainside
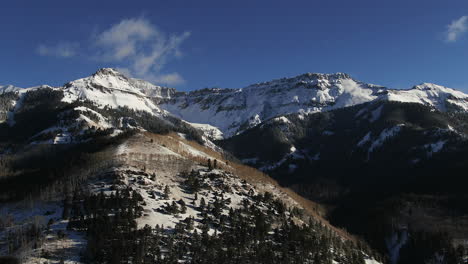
383 168
108 153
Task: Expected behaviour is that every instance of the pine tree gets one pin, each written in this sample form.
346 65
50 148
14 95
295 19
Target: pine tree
183 207
210 167
202 203
174 208
167 191
66 208
189 222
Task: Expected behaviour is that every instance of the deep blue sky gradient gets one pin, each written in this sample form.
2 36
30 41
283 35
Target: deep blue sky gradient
235 43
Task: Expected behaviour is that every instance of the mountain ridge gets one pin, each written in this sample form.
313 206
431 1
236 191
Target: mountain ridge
232 111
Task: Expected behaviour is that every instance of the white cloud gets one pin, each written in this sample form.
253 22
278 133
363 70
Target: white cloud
122 39
141 49
135 46
156 77
170 78
61 49
457 28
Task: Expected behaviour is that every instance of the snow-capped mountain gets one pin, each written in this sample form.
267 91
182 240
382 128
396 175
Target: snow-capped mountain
105 102
227 112
440 97
108 87
8 88
234 110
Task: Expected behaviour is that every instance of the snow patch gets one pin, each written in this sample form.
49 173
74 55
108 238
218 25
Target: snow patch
394 243
434 147
385 135
282 120
209 130
364 140
376 114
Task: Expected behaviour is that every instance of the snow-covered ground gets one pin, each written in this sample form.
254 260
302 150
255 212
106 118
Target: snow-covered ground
168 156
58 243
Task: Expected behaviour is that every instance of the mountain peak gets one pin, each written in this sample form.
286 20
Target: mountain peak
319 80
105 78
429 86
8 88
313 75
108 72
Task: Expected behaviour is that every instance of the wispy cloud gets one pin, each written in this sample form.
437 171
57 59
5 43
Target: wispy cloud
456 29
142 49
135 46
173 78
61 49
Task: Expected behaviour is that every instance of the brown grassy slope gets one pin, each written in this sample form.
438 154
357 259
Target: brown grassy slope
251 175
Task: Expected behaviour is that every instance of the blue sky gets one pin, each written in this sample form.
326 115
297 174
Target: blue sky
196 44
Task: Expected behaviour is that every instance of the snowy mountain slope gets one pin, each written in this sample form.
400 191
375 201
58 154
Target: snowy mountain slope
38 115
110 88
381 165
107 88
8 89
234 110
174 190
12 99
439 97
210 131
105 103
169 156
362 134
